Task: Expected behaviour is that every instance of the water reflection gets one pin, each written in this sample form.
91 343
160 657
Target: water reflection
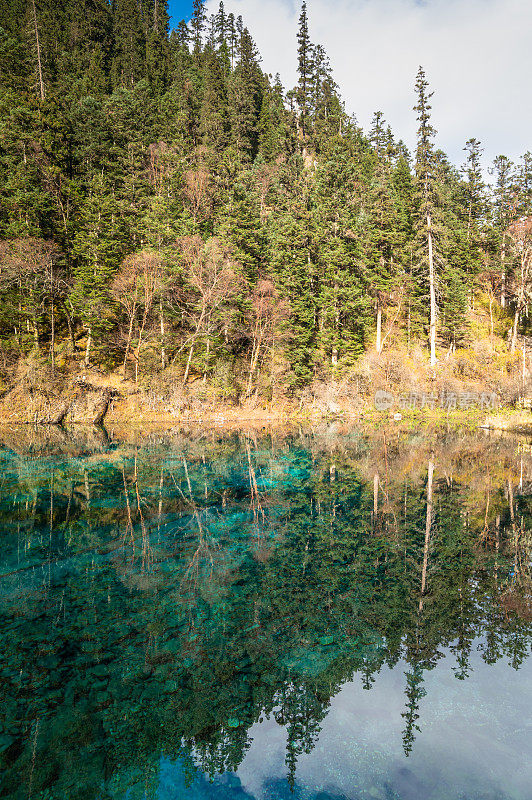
173 604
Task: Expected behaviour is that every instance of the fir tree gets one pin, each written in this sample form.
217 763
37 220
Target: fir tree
129 44
246 99
504 210
305 69
425 197
197 26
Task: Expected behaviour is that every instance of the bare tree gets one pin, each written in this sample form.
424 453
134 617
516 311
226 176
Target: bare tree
267 313
197 192
520 237
210 283
30 265
135 288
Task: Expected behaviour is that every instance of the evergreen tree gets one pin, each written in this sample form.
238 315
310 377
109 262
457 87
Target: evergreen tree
524 185
242 229
503 213
305 69
119 137
246 91
213 111
377 134
476 188
129 58
425 200
293 268
273 125
197 26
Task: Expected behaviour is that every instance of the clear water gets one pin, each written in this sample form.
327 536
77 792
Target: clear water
254 615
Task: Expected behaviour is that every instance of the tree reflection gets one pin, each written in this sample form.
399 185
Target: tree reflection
161 596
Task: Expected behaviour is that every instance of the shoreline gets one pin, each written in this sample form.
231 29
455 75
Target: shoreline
505 420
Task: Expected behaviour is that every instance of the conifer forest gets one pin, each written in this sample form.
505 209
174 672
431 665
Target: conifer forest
173 215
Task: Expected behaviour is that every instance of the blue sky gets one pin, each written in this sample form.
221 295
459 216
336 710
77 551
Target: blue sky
179 9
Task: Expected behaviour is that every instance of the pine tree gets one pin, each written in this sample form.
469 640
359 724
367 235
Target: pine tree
231 38
503 214
213 111
476 188
326 107
246 91
129 58
120 137
273 125
475 209
100 243
524 185
242 230
197 26
385 242
425 196
305 71
377 134
293 269
222 39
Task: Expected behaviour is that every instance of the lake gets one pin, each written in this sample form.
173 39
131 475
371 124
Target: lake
311 613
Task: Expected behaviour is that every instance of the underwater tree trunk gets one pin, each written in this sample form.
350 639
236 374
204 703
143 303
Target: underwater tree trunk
428 526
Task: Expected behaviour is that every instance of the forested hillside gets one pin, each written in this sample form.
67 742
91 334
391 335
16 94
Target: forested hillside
170 213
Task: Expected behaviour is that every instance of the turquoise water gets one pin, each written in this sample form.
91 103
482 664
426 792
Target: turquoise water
314 615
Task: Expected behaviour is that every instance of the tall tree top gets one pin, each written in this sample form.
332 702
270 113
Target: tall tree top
197 23
425 133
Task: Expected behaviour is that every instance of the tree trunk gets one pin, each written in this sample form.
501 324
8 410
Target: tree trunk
138 347
88 347
36 333
252 365
194 338
503 274
128 346
514 330
38 50
207 359
334 355
163 350
379 328
52 347
188 365
69 326
524 366
432 325
428 526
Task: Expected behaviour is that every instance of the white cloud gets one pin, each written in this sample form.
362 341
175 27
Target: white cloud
476 54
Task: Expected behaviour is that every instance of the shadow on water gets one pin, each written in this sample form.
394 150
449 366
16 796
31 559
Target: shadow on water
163 593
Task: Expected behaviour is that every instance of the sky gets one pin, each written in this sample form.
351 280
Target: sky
476 55
180 9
